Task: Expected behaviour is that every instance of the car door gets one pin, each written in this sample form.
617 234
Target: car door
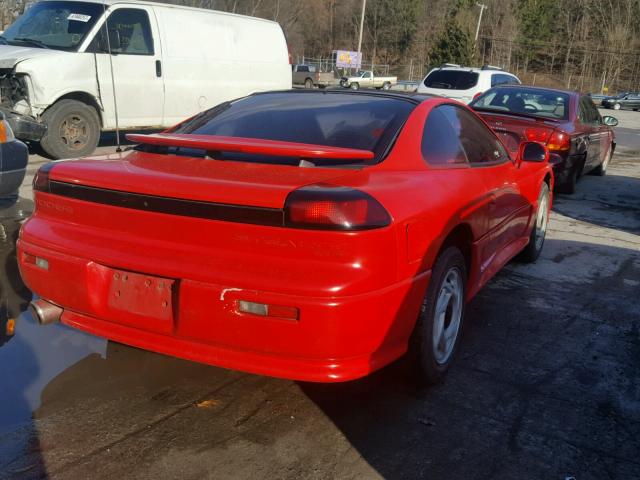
591 123
505 212
509 210
132 69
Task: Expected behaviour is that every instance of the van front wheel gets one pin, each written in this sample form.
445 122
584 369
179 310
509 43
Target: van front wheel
73 129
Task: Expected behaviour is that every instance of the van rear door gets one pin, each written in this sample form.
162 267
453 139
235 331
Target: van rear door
135 48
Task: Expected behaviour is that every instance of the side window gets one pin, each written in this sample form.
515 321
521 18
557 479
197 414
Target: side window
303 68
587 112
479 142
441 137
502 79
129 34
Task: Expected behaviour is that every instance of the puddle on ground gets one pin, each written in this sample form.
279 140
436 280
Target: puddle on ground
32 355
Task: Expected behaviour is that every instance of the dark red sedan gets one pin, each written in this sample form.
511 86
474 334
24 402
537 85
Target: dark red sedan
568 123
307 235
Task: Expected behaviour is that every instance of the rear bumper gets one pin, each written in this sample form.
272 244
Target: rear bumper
563 167
334 339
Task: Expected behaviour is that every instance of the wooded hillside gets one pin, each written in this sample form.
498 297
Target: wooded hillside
581 44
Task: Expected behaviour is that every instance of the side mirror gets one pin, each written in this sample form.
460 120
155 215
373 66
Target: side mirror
611 121
533 152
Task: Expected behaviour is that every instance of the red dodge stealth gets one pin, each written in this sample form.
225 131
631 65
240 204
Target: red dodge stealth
311 235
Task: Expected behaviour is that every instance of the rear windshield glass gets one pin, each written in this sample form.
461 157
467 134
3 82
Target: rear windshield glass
534 102
368 122
451 79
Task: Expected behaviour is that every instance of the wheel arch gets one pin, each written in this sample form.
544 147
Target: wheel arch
83 97
461 237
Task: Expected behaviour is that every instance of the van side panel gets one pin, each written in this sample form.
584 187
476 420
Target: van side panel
212 57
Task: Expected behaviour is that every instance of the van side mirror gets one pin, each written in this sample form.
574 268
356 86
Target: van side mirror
611 121
533 152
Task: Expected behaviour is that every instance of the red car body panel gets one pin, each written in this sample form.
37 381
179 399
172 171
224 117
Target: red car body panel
357 294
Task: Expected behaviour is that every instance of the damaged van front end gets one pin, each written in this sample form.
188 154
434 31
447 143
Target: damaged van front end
16 103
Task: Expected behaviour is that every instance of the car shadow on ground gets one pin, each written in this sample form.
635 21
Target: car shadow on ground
545 384
612 202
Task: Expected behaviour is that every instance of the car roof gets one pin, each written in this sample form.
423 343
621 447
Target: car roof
411 96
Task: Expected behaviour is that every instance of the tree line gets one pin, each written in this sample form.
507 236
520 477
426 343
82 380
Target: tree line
580 44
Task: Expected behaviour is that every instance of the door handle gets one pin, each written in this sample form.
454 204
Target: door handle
158 68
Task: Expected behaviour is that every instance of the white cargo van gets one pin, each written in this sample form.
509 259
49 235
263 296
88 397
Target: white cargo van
62 61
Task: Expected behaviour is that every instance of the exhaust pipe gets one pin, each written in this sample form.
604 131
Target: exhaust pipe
45 312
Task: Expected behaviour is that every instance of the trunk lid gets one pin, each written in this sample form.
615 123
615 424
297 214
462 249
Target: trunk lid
515 129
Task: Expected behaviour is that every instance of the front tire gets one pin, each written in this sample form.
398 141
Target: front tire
539 231
354 86
73 129
617 106
437 332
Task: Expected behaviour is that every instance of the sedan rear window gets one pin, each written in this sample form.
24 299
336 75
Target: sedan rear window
451 79
535 102
367 122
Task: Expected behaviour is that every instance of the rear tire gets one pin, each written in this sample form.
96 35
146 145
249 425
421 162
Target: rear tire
308 83
386 86
569 186
539 231
437 332
73 129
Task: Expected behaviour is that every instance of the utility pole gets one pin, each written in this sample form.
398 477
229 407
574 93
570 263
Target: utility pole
482 7
364 6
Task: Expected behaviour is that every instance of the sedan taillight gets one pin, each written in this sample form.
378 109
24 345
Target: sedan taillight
559 141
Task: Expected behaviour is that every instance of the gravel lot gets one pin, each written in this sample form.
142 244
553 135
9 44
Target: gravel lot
546 384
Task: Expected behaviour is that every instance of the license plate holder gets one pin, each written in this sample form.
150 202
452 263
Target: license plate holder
141 295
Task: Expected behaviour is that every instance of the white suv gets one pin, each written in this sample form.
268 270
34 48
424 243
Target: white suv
464 83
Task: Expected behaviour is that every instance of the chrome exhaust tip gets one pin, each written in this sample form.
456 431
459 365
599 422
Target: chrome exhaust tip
45 312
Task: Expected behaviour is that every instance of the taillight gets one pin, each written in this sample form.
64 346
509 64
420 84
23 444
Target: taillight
327 207
41 179
540 135
559 141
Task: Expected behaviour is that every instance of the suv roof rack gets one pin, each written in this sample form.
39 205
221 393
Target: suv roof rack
490 67
449 65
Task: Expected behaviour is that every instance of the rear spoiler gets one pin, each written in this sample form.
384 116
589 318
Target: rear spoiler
250 145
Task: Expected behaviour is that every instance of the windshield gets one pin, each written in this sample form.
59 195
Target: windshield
534 102
451 79
57 25
367 122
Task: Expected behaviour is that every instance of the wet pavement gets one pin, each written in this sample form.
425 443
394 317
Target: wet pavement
546 383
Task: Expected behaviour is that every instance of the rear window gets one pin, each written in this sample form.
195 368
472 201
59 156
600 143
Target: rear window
451 79
368 122
534 102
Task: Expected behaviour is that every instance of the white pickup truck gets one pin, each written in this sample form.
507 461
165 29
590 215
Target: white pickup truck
366 79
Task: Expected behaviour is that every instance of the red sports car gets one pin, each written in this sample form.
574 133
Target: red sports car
568 123
307 235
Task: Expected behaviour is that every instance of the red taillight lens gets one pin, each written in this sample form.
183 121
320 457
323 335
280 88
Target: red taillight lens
41 179
540 135
559 141
328 207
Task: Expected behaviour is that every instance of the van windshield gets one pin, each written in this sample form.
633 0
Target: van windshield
56 25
